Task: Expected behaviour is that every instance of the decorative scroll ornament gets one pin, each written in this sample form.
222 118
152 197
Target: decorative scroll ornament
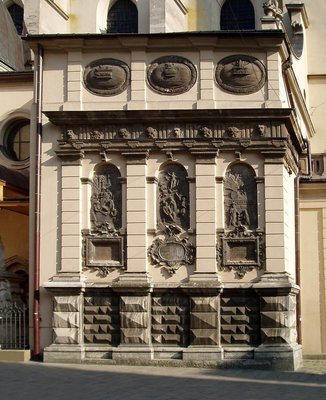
172 251
240 74
106 77
171 75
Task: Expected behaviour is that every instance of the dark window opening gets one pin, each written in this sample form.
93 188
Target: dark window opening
123 17
17 15
17 141
237 15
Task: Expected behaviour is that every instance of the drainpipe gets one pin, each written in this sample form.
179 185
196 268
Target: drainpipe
37 203
305 176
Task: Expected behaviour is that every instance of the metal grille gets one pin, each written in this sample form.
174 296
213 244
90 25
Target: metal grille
13 327
237 15
123 17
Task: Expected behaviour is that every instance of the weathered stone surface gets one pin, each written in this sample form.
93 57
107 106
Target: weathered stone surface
240 320
66 336
101 320
170 320
134 319
66 303
278 320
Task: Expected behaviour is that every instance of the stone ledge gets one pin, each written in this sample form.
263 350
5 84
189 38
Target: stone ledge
15 355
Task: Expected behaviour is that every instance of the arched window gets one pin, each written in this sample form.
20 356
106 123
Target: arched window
237 15
123 17
17 15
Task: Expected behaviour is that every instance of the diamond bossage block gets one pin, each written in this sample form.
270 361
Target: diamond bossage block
134 320
204 321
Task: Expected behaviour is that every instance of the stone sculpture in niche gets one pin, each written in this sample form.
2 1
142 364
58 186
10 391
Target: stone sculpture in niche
240 74
206 132
240 197
240 248
171 75
106 201
152 132
106 77
175 248
174 196
233 132
271 9
104 245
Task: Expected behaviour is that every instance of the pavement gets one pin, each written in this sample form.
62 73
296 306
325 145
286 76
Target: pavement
27 381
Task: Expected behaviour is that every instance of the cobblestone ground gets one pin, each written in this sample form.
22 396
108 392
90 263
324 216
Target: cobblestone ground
107 382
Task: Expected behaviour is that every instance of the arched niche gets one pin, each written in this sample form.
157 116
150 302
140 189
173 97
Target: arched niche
237 15
106 199
122 17
240 197
173 196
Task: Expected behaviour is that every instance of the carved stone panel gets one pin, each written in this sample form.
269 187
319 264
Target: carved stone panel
240 320
170 320
106 77
173 196
240 197
171 75
240 74
101 320
104 253
241 251
106 203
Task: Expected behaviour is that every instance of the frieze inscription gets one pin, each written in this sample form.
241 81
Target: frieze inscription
171 75
240 74
106 77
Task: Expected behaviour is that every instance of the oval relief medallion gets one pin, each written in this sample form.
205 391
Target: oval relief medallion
240 74
171 75
106 77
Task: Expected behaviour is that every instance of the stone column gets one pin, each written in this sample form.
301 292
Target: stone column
137 271
207 85
71 263
279 218
206 214
134 285
74 79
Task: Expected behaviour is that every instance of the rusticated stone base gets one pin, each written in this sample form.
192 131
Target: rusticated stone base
192 325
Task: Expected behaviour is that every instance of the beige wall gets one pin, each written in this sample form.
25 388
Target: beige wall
313 271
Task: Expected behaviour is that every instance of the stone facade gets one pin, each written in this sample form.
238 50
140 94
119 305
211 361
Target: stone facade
171 162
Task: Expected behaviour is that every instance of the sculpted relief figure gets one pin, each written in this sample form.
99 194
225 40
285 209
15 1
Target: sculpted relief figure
240 197
105 200
173 197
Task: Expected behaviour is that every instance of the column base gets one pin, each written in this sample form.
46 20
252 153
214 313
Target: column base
64 354
126 352
203 353
286 358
